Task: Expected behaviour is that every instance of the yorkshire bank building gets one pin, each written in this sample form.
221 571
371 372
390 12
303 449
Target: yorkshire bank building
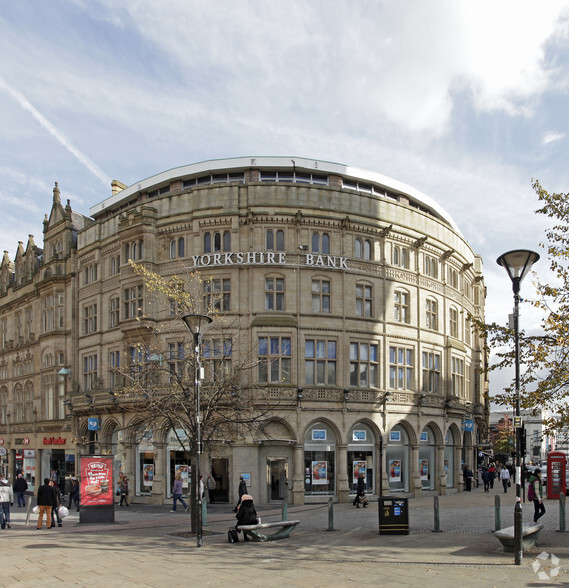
355 293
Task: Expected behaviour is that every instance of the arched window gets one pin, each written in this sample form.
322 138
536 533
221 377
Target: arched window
172 248
280 240
269 240
315 243
217 241
325 243
367 249
358 248
207 243
226 241
181 247
431 314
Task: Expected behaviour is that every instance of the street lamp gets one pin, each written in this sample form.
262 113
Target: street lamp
197 325
517 264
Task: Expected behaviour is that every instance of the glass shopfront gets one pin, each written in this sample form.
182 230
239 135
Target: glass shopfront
179 461
449 458
361 443
397 460
145 469
319 461
427 465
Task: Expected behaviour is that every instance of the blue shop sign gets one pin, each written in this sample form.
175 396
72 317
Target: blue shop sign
94 424
469 425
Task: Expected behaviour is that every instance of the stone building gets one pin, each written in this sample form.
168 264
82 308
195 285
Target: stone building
356 292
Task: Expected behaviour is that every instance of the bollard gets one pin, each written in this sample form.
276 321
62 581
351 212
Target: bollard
562 512
330 514
437 528
518 552
497 514
284 510
204 513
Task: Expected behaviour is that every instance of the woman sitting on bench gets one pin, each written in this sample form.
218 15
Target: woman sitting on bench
246 513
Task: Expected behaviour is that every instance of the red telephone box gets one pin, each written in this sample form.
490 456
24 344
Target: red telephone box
556 482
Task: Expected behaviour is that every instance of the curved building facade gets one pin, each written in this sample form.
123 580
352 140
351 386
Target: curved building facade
355 292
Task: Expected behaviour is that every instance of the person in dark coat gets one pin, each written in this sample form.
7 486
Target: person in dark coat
242 491
57 502
360 492
74 493
246 513
20 487
486 479
467 475
45 500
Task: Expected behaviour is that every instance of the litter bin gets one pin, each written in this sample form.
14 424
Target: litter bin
393 515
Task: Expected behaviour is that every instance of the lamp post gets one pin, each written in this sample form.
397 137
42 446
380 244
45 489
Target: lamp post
197 325
517 264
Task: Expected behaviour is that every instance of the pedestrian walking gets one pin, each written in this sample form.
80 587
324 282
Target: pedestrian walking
242 490
505 477
74 493
535 494
57 502
6 500
361 492
246 513
492 472
124 491
20 487
177 493
467 475
486 479
210 483
45 500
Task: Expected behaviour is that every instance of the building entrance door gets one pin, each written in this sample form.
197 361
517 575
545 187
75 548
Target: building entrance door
220 474
277 478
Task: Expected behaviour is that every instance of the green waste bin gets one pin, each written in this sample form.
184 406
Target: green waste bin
393 515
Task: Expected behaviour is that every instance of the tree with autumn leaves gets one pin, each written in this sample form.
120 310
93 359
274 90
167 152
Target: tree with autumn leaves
544 374
158 375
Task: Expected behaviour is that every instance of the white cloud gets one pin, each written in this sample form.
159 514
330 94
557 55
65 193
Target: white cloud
552 137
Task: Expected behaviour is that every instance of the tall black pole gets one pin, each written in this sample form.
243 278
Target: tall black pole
199 528
518 552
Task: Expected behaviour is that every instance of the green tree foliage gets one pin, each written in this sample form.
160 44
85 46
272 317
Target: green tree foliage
544 374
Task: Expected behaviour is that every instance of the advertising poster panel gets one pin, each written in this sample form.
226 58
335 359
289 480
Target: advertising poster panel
319 472
395 470
424 469
96 481
359 467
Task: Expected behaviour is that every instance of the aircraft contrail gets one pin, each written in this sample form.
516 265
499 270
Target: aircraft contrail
25 104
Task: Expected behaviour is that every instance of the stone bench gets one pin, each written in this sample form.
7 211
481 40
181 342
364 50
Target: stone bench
530 534
283 530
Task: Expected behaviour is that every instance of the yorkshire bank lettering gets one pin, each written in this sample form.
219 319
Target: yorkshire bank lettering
266 258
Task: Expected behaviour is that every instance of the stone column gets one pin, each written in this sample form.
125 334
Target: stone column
343 482
458 478
415 485
158 493
441 481
298 476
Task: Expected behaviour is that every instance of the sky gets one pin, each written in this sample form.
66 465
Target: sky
465 101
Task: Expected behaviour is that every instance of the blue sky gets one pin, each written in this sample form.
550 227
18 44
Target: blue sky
465 101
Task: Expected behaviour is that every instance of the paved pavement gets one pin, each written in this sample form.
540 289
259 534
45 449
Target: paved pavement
148 546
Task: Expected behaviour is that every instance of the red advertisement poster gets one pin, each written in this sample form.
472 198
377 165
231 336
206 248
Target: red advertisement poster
96 481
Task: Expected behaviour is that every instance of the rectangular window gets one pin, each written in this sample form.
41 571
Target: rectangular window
48 313
453 323
114 368
401 368
114 312
133 302
89 319
320 362
363 300
176 362
217 356
457 377
89 372
431 372
320 296
364 365
274 293
401 306
274 360
217 295
431 315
